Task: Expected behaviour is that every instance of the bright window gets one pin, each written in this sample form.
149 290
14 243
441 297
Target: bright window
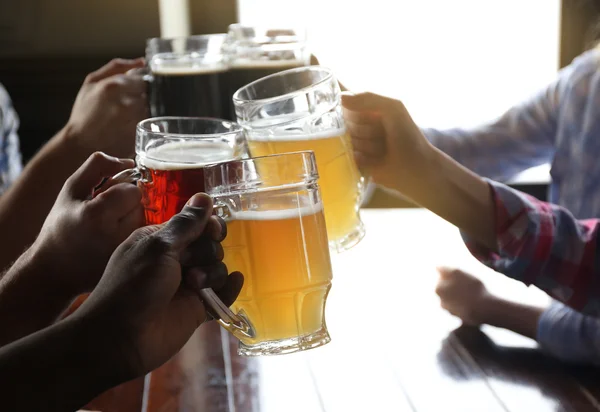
453 63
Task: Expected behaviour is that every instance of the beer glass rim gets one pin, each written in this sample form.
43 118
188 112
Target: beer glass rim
143 127
328 77
153 40
299 34
310 175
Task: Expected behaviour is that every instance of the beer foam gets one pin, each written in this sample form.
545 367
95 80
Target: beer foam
185 65
186 155
181 70
281 214
265 64
289 137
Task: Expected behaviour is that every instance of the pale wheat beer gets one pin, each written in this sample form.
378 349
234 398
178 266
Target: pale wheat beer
277 238
171 153
300 109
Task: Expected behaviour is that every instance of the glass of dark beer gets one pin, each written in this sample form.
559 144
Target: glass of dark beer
186 76
253 53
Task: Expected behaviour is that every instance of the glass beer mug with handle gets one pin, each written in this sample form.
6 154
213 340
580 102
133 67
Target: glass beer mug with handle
300 109
186 76
278 240
171 156
255 52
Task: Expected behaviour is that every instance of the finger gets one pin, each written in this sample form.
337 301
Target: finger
365 162
98 166
187 226
369 148
201 252
116 202
361 117
367 102
217 228
133 84
115 66
212 276
135 219
370 130
229 293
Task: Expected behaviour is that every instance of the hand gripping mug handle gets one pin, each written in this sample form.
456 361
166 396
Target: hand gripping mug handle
237 325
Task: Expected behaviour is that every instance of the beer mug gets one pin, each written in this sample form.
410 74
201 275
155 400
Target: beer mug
300 109
256 52
171 154
186 76
276 237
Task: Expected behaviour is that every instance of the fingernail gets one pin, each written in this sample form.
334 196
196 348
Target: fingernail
199 200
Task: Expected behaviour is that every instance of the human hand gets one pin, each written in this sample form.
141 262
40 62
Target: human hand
80 234
109 105
388 145
463 295
146 306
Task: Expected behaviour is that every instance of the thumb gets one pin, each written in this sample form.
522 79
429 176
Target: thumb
98 166
187 226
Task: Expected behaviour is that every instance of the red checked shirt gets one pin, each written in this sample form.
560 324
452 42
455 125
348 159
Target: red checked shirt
542 244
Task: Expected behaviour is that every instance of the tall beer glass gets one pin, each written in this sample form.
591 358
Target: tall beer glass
300 109
187 76
278 240
256 52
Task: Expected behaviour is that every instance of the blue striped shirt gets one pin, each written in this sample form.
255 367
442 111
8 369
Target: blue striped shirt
560 125
10 156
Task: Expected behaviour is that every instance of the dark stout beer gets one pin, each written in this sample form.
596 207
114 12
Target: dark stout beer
188 91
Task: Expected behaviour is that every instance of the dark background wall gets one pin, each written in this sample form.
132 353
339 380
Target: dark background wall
48 46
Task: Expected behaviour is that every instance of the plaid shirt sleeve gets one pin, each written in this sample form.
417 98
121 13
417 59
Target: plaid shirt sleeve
569 335
544 245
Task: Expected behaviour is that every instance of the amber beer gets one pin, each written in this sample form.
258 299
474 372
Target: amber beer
283 254
277 238
300 109
175 172
340 180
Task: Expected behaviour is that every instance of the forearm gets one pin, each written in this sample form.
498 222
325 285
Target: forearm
517 317
30 298
56 369
25 205
454 193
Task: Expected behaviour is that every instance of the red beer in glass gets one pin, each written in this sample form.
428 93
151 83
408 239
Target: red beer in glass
171 153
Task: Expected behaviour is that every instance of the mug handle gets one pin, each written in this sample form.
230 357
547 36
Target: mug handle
235 324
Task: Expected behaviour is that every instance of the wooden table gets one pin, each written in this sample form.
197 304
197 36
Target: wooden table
393 348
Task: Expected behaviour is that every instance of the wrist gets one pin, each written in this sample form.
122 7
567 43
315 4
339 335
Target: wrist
41 266
69 139
418 171
88 358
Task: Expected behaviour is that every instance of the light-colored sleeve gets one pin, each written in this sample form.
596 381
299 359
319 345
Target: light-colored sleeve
569 335
523 137
10 154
